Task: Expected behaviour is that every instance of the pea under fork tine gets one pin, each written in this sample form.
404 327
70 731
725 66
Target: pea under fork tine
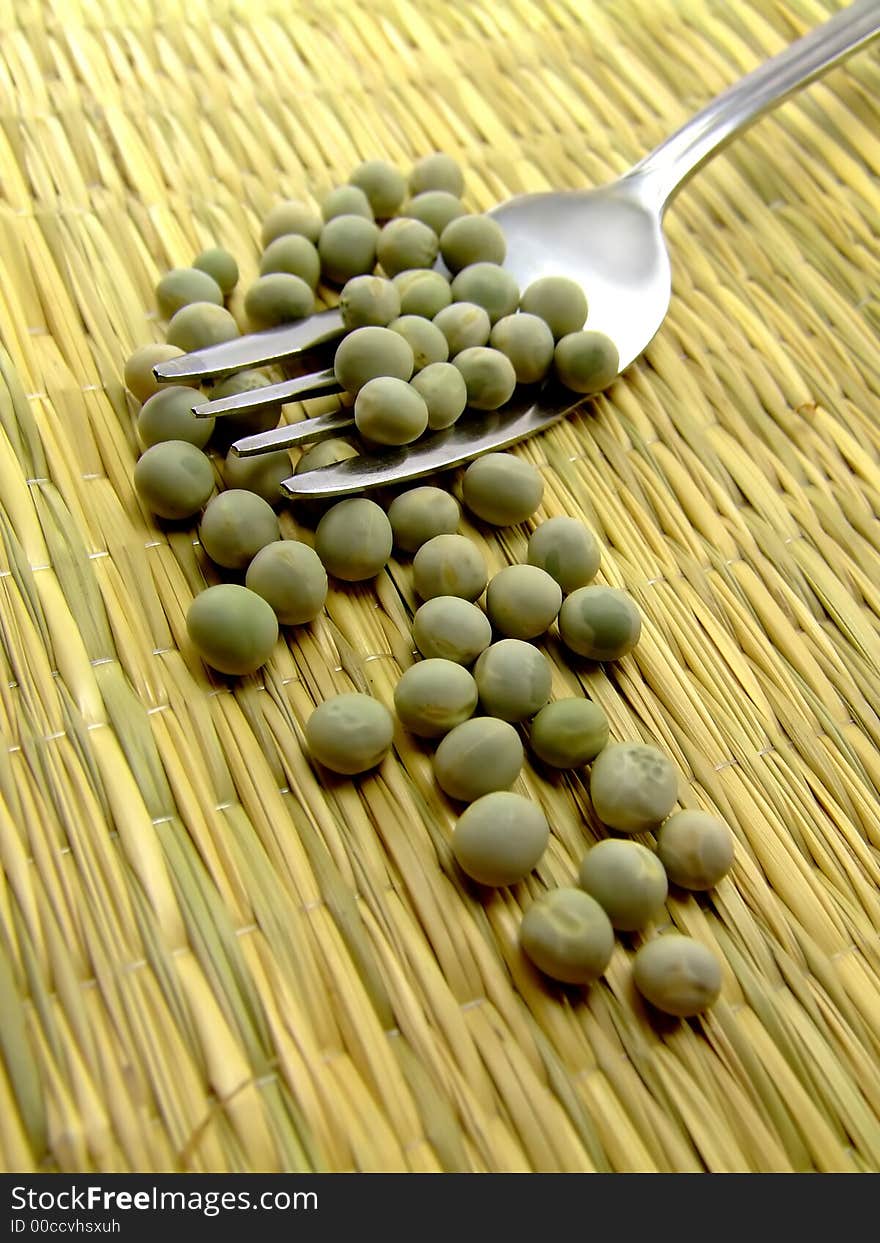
256 349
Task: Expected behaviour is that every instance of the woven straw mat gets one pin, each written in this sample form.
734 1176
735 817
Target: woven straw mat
215 957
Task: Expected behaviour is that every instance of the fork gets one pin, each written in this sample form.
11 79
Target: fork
610 240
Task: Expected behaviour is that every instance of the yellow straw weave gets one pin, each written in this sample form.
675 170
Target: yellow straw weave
212 958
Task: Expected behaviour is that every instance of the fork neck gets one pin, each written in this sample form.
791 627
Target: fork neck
661 174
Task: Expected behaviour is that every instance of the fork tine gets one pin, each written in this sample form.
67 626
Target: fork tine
256 349
301 389
475 433
320 428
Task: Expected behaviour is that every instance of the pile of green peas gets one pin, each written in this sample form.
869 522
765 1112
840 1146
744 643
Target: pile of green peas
420 347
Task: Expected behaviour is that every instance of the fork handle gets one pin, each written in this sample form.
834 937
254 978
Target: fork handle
661 173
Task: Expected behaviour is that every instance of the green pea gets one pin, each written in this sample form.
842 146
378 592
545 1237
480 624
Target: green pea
489 377
567 549
346 201
390 412
568 936
586 362
262 474
235 526
421 513
478 757
404 244
278 298
488 286
434 696
437 171
292 255
233 629
502 489
627 881
182 286
354 540
290 216
347 247
199 325
220 265
472 239
435 208
559 301
696 849
168 415
290 577
601 623
369 301
568 733
426 341
326 453
174 479
452 629
677 975
248 422
368 353
138 375
444 391
513 679
527 341
449 565
383 184
633 786
500 838
350 733
464 325
422 292
522 601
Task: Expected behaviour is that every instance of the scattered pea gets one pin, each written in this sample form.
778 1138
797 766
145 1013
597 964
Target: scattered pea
513 679
627 880
478 757
586 362
488 375
235 526
601 623
677 975
350 733
488 286
502 489
293 255
354 539
437 171
567 550
451 628
290 216
463 324
633 786
346 201
426 341
449 565
383 184
422 292
290 577
182 286
568 733
500 838
138 375
421 513
174 479
168 415
527 341
347 247
369 301
434 696
522 601
233 629
200 324
696 849
568 936
435 208
220 265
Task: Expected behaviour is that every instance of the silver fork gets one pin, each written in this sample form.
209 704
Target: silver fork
609 239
